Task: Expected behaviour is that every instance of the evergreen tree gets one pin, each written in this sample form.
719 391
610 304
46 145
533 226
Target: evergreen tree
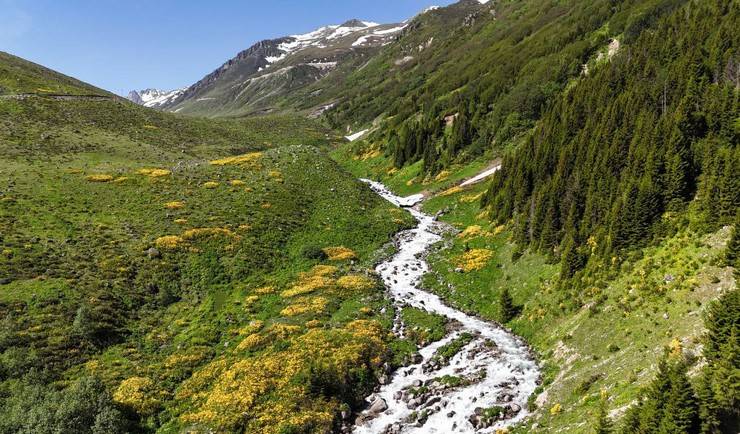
603 422
732 256
681 411
507 309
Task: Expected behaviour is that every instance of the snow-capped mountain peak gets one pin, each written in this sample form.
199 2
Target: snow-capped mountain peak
154 98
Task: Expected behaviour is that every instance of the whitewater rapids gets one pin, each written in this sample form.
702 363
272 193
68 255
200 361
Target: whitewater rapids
498 368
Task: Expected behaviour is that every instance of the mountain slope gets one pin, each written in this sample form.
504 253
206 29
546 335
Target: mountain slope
609 223
141 252
256 78
19 76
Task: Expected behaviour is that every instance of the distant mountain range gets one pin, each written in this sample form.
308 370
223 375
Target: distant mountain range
154 98
258 75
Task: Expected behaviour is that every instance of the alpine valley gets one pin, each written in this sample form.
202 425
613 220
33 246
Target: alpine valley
499 217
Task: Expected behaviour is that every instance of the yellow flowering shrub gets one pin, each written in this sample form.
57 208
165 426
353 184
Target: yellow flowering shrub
474 260
265 290
250 159
315 305
473 232
451 191
99 178
237 183
201 233
441 176
210 185
356 283
155 173
181 221
314 323
188 359
340 253
470 198
282 331
250 300
307 285
174 205
322 270
269 394
251 342
556 409
138 394
253 327
169 242
675 348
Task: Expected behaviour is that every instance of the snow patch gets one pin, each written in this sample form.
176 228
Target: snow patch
481 176
355 136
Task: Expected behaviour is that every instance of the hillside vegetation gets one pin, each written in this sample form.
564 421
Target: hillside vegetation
160 273
607 233
19 76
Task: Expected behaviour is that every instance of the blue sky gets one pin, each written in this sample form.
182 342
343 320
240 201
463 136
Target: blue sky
121 45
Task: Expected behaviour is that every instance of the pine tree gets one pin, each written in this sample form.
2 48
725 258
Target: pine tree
732 256
603 422
681 411
709 411
507 309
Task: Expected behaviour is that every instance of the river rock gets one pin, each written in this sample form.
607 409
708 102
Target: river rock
378 406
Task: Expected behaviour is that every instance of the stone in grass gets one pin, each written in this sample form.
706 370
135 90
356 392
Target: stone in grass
153 253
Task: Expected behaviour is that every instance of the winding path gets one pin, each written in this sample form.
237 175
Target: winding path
493 371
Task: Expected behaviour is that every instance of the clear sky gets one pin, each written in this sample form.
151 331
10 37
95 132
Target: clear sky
121 45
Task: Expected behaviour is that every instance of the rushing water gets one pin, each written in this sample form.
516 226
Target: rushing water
496 367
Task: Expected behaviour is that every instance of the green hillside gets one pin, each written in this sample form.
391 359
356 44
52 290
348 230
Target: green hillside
152 265
610 221
19 76
173 274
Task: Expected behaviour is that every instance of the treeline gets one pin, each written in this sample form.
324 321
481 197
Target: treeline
672 404
639 138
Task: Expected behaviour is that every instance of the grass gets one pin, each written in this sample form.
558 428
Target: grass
362 159
117 262
21 76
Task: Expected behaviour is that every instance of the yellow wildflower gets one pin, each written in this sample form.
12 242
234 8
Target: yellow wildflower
174 205
169 242
356 283
451 191
155 173
339 253
474 260
239 160
251 342
556 409
136 393
99 178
